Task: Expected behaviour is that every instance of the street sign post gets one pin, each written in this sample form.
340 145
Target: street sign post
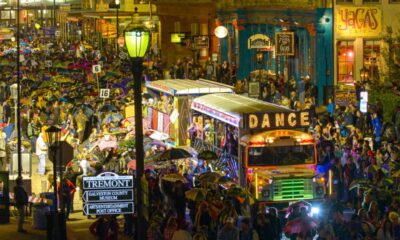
108 193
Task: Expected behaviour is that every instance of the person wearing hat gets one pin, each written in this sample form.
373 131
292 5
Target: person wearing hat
229 231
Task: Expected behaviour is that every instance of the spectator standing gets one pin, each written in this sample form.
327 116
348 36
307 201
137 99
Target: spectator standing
246 232
3 153
41 152
229 231
21 200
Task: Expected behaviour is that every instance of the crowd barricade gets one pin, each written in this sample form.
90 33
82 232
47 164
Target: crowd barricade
33 199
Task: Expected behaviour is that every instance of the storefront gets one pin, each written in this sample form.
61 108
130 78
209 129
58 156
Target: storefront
299 41
359 43
168 103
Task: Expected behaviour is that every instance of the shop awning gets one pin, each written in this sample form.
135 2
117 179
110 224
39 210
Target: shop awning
230 108
188 87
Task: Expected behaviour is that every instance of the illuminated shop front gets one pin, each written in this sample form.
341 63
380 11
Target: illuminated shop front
296 42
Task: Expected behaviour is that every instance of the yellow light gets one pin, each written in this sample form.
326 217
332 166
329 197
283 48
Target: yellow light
137 41
260 182
221 32
37 26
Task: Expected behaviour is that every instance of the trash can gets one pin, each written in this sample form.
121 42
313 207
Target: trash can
49 196
39 216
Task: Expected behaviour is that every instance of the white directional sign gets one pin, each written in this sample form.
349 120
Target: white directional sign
108 208
107 182
108 193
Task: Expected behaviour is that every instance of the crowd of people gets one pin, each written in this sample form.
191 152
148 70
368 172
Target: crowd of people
358 150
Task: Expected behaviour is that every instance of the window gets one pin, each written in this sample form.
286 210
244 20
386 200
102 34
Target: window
371 1
343 1
281 155
394 1
345 60
372 56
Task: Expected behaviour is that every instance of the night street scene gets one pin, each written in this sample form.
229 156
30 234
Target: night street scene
200 119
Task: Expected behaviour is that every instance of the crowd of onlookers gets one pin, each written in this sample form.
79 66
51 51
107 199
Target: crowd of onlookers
358 150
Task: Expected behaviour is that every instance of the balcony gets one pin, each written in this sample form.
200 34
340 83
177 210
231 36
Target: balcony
299 4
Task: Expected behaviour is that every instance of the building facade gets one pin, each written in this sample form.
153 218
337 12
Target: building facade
300 35
360 27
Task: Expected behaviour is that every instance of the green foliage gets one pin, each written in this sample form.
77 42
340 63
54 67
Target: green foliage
127 143
391 55
388 98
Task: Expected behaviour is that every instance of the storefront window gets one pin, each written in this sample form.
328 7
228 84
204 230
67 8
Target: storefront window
372 55
345 61
344 1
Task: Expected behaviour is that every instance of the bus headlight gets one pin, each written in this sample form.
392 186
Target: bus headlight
314 211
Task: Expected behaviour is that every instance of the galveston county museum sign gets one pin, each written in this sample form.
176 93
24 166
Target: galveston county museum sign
107 193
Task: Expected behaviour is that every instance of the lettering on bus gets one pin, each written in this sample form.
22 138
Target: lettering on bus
277 120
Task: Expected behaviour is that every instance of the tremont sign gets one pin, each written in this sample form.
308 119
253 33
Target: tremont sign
276 120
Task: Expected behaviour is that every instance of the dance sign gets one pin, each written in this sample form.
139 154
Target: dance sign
108 193
358 21
277 120
284 42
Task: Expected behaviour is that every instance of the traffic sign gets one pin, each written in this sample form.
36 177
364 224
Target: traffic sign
108 195
108 208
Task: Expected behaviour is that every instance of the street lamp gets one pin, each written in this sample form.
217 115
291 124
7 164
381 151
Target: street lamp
137 41
363 74
117 3
58 230
15 95
260 59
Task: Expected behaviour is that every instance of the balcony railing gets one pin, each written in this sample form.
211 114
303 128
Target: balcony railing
223 4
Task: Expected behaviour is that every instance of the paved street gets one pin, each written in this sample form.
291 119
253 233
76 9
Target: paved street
77 227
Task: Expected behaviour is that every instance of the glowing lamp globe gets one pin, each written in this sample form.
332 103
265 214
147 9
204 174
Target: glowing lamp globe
137 40
37 26
221 31
121 41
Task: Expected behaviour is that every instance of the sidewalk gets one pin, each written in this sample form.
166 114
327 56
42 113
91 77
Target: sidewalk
77 228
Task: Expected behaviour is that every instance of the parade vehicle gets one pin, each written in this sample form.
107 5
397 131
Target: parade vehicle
169 110
276 156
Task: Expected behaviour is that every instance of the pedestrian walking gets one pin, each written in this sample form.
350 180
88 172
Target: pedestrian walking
21 200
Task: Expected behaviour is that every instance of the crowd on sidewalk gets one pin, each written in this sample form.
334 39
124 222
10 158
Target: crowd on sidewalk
358 150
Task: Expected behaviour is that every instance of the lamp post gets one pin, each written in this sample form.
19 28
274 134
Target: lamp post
137 40
58 230
117 3
17 123
260 59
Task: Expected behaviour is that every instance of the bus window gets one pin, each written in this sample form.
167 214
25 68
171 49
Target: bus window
281 155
